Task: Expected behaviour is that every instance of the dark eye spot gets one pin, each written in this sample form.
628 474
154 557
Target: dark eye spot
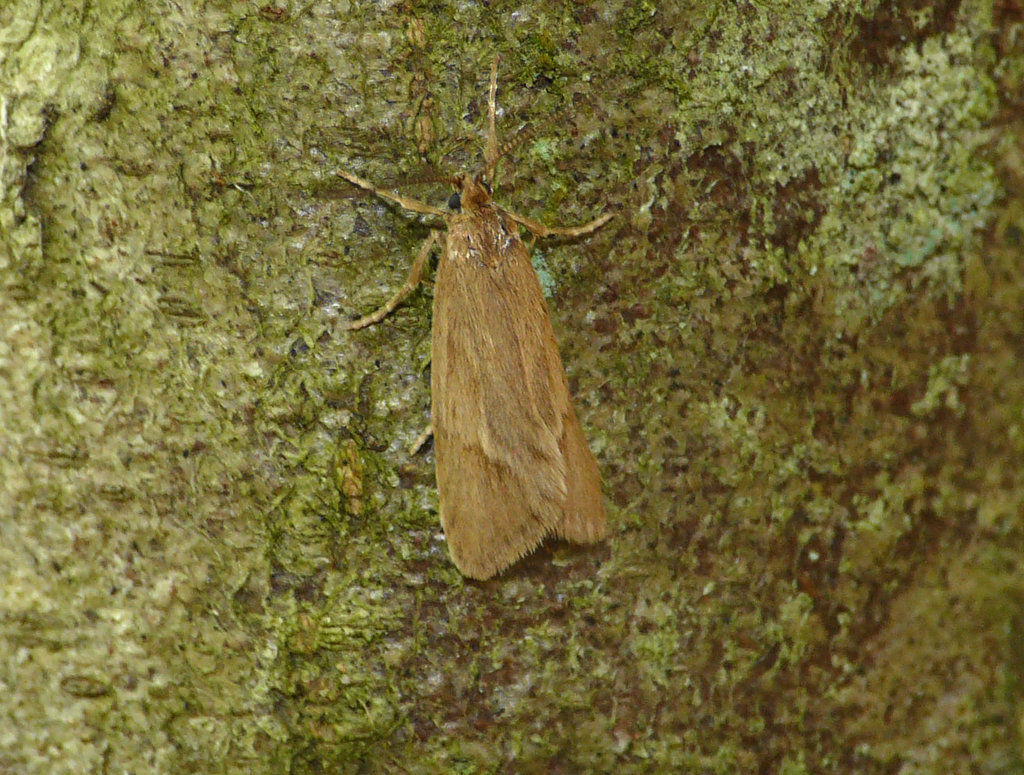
455 203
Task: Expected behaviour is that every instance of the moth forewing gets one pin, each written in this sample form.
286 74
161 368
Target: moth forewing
513 466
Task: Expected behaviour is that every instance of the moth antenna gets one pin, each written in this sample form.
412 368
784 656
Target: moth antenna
433 176
525 134
456 144
520 137
492 154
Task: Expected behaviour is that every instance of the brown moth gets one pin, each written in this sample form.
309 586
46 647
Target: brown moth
513 466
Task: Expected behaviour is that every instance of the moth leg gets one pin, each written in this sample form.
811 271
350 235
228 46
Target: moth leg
409 204
417 445
540 230
414 279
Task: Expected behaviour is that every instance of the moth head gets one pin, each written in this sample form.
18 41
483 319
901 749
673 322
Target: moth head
471 193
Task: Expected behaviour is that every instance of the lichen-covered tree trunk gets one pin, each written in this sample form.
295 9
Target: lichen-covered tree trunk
795 351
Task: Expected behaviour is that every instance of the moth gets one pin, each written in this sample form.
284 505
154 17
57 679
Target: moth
513 466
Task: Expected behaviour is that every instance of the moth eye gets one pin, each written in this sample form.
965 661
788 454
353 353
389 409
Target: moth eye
487 185
455 203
